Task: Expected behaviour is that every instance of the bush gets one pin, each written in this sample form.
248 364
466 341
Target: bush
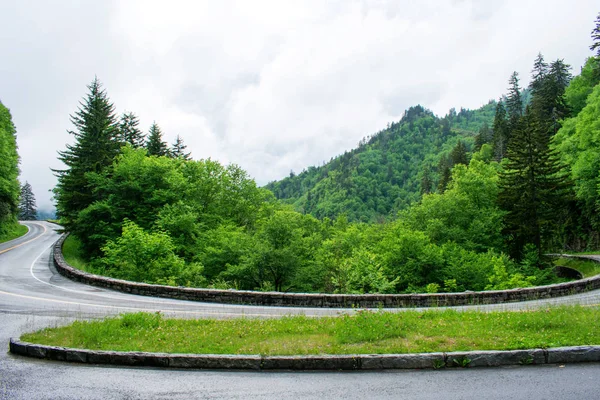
149 257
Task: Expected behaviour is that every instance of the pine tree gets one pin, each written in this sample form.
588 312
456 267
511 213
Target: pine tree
538 74
9 170
178 149
549 105
596 37
533 188
482 137
501 132
129 131
155 144
445 171
27 206
514 103
426 182
96 145
459 154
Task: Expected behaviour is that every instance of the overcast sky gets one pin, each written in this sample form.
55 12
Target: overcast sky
272 86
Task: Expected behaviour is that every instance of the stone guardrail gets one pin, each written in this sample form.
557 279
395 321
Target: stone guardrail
320 299
494 358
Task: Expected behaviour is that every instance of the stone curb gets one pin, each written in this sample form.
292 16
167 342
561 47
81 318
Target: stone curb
320 299
352 362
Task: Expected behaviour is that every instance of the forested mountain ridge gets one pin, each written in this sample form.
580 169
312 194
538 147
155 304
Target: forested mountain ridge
385 173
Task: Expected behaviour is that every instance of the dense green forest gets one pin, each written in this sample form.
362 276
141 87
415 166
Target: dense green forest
470 201
389 170
9 172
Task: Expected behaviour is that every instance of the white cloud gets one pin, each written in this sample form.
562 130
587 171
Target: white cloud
269 85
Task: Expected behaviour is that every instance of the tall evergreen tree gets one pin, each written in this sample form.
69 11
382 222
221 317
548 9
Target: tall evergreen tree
484 136
501 132
538 74
533 188
596 37
596 46
178 149
426 182
549 105
27 206
459 154
445 171
129 131
514 103
155 144
9 170
96 145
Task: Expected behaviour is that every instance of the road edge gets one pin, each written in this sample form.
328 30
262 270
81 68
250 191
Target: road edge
323 300
349 362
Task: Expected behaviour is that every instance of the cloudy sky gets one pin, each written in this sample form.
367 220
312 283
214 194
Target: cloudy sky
272 86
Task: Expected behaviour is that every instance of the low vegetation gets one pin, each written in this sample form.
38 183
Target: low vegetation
587 268
366 332
12 232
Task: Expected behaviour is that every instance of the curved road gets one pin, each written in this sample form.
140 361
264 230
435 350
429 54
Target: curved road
33 295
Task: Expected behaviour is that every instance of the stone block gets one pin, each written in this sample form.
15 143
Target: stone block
573 354
36 351
99 357
331 363
73 355
214 361
401 361
18 347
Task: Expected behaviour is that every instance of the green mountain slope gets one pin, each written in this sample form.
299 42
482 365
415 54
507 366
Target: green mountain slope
383 174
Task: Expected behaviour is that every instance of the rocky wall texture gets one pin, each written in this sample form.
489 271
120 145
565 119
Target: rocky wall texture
463 359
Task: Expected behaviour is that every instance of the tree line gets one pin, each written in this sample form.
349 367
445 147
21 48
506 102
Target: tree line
482 209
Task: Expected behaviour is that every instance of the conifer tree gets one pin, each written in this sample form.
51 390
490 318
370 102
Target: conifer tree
426 182
538 74
178 149
129 131
514 103
459 154
596 46
549 105
482 137
596 37
500 132
27 206
155 144
9 170
445 171
96 145
533 188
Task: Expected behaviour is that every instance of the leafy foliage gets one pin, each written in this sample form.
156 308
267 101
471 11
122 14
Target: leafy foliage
9 171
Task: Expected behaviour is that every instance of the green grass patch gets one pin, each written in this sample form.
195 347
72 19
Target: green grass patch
586 267
366 332
12 231
73 254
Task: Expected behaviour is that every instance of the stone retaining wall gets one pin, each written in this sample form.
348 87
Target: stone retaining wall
324 300
323 362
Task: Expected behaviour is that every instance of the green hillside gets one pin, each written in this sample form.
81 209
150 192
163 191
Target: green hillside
383 174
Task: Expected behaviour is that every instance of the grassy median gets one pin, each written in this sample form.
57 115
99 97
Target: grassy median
364 333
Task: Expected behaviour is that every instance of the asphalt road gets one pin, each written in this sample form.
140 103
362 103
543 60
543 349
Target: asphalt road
33 295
